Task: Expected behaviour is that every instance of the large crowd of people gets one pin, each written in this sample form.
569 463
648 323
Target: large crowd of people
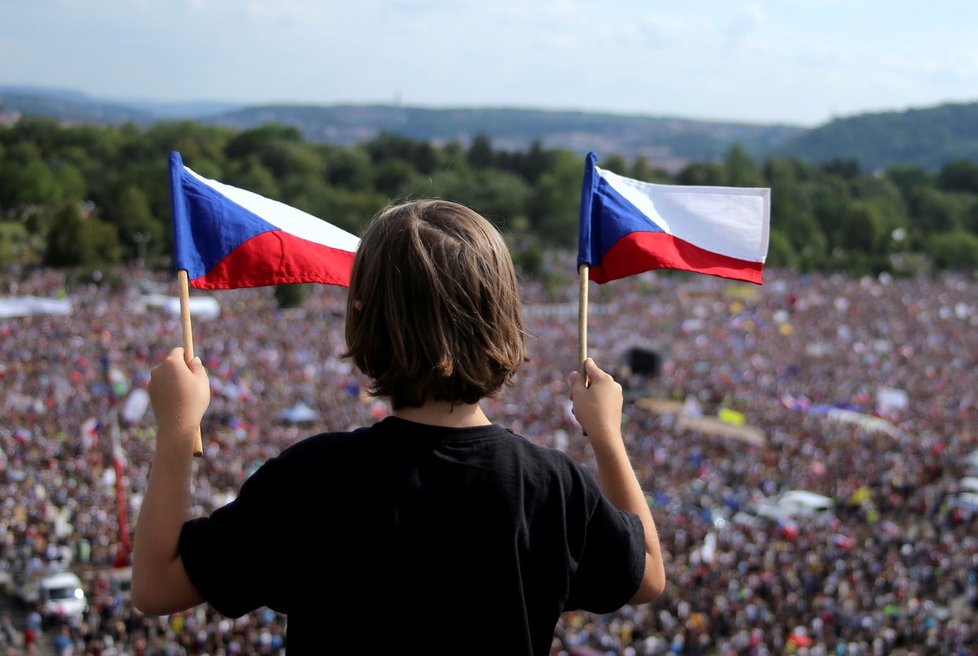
863 390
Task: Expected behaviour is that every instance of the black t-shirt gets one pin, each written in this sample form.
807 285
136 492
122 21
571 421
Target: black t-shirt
406 535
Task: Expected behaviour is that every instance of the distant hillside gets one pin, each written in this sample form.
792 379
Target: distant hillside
68 107
661 140
75 107
928 138
667 142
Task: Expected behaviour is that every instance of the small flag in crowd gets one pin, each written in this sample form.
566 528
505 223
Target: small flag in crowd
628 226
226 238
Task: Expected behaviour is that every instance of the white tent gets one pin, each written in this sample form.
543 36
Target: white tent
201 307
300 413
866 422
26 306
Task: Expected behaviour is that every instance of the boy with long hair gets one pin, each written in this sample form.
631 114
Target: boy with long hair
433 528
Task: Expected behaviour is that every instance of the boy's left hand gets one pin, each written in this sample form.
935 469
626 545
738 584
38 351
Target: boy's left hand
180 393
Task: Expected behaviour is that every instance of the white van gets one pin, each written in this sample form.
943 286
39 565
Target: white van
61 597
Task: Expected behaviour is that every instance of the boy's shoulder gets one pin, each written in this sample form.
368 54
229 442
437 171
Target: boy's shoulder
394 440
324 442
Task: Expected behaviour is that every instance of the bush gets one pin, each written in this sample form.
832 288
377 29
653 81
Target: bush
953 250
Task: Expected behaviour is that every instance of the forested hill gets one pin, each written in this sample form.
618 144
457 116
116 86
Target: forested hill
662 140
73 107
87 196
927 138
669 142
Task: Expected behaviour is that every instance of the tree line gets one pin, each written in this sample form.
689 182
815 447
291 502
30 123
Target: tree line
89 196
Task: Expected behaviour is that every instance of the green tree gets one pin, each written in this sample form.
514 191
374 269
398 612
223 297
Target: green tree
529 259
529 165
862 228
846 169
349 168
141 235
249 173
701 174
39 131
201 146
643 170
88 146
291 296
739 170
261 141
953 250
780 252
500 196
76 240
345 208
969 220
15 246
418 154
554 203
908 178
792 212
959 175
615 163
25 179
480 153
69 180
886 197
936 212
392 175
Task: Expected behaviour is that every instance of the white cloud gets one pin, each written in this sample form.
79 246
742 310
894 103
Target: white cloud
742 31
657 31
820 54
742 58
965 64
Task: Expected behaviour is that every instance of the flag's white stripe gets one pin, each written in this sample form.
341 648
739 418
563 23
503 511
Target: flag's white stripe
285 217
731 221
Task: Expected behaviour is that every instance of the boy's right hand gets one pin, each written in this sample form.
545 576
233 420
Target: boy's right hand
180 393
597 406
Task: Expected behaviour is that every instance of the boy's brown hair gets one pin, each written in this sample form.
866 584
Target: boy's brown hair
434 309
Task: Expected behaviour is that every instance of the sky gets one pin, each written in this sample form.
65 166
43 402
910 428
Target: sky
797 62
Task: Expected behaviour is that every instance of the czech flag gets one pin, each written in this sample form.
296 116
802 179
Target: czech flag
628 226
226 238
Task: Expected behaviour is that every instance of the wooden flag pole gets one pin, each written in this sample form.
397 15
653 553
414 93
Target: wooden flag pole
188 339
582 273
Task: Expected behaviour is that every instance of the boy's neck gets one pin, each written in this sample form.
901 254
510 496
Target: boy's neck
442 413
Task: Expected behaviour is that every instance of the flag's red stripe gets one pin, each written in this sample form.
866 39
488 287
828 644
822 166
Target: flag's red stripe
278 258
642 251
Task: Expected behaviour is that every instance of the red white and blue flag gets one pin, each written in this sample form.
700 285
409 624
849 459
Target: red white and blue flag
628 226
226 238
